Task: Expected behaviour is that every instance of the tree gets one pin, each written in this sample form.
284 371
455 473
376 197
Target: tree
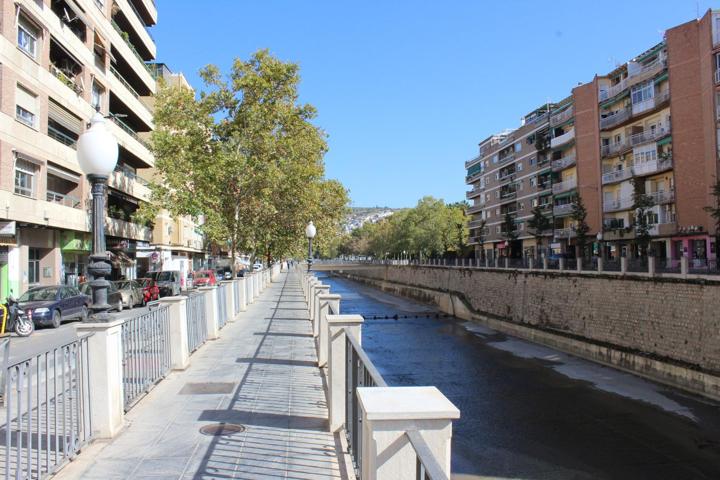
579 216
641 207
245 156
538 225
509 231
714 212
480 237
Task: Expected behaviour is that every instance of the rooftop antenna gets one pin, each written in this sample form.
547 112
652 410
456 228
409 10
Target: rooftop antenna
697 9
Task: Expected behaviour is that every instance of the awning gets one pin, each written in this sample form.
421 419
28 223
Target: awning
665 141
616 98
62 173
64 117
564 194
100 45
662 77
122 196
76 11
29 158
119 259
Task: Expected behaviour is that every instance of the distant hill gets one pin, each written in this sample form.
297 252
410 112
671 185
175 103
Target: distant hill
358 216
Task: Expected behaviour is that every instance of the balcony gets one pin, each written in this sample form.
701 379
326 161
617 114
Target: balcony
127 129
645 72
568 233
115 227
477 208
615 176
129 183
616 204
615 148
615 119
663 229
507 158
652 166
507 194
475 192
565 186
63 199
476 223
650 104
560 210
126 39
562 117
563 163
662 196
473 177
562 139
650 135
613 90
473 161
61 137
507 177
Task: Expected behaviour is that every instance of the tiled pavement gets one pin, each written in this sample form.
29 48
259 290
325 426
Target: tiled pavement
266 360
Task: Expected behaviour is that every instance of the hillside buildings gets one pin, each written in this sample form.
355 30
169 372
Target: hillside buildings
646 130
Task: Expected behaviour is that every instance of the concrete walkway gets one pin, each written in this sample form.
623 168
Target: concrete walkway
262 374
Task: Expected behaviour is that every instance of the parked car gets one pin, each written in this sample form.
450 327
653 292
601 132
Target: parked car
150 290
223 273
115 299
168 282
204 278
131 292
257 267
54 304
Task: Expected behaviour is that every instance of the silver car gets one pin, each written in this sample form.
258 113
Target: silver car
131 292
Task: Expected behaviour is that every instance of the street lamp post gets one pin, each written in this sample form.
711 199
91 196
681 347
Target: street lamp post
97 155
310 232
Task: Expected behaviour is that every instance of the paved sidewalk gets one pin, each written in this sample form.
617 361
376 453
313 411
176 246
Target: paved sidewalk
265 365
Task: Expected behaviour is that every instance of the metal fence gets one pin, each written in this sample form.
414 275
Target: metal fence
360 372
146 353
196 322
426 467
222 305
47 410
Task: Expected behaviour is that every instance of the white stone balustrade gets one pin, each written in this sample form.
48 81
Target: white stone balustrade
177 325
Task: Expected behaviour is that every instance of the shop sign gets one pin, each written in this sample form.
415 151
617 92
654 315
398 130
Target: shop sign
555 245
75 242
7 229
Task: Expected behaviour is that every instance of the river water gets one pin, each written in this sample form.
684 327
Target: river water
530 412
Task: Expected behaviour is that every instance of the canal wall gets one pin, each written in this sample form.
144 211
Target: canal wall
664 329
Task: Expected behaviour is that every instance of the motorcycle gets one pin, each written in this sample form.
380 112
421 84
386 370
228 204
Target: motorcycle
15 319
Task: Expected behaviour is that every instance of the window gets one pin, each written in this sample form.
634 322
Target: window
518 146
497 211
519 166
25 106
98 92
642 92
24 178
497 229
27 36
532 161
33 265
495 158
533 181
530 139
521 226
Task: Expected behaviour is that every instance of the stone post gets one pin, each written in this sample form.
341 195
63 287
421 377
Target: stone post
256 285
229 299
242 289
497 262
601 264
391 416
177 322
651 266
211 312
311 285
623 265
487 262
105 354
562 263
337 326
545 262
507 262
684 265
531 263
328 304
321 289
276 269
579 264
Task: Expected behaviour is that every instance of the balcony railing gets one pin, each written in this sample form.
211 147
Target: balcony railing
63 199
475 209
613 90
616 119
646 71
562 139
667 227
614 148
563 209
475 192
506 158
121 228
662 196
129 130
473 161
561 117
564 186
508 194
475 224
650 135
563 163
650 103
564 233
61 137
124 36
615 176
64 78
615 204
652 166
473 177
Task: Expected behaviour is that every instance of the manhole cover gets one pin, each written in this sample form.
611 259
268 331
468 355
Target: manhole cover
222 429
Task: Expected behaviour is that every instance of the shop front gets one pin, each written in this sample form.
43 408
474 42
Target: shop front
9 261
75 248
122 258
700 249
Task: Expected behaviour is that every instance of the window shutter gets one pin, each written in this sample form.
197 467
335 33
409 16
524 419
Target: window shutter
61 115
26 99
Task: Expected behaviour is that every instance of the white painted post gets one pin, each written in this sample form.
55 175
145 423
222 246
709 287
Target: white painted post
562 263
579 264
177 322
240 285
601 264
328 304
229 299
487 262
211 312
507 262
337 326
623 265
651 266
106 376
249 285
321 289
256 285
684 265
276 269
388 413
531 263
545 263
497 262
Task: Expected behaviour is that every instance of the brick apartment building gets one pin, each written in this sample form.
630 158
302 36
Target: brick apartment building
648 127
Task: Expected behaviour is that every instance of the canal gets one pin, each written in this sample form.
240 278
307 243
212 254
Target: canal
530 412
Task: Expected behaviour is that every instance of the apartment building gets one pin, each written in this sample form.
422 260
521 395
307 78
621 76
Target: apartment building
648 130
60 60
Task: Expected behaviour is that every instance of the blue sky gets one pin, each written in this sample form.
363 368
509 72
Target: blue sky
407 89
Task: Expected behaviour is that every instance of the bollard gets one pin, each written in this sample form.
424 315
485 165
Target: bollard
623 265
601 264
487 262
256 285
107 412
177 323
392 418
338 325
229 299
211 312
329 304
249 294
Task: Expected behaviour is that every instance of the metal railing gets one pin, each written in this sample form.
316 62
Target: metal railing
563 162
47 407
562 139
124 126
222 306
360 372
426 467
617 175
613 90
63 199
196 325
146 352
615 119
56 134
132 48
565 185
562 117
